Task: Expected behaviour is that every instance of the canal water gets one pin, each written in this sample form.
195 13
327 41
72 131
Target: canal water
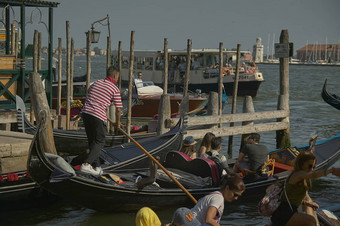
309 114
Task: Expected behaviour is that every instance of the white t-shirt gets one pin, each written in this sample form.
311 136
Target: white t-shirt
201 208
138 83
54 62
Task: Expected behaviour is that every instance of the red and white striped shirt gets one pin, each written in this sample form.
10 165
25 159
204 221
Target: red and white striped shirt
102 94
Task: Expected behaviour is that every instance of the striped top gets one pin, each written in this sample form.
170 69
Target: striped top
102 94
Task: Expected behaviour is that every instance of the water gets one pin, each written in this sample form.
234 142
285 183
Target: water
309 114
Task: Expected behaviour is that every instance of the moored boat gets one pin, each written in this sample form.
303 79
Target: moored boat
330 98
70 141
204 73
17 186
107 193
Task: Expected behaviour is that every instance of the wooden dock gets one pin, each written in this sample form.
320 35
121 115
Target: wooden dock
14 147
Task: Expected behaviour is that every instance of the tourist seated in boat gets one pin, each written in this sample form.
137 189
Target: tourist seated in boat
138 80
172 68
217 157
182 67
195 64
189 147
206 144
257 155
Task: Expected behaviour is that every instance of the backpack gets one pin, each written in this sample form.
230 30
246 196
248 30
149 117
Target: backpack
271 201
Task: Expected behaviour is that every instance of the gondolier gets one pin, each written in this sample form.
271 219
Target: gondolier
101 95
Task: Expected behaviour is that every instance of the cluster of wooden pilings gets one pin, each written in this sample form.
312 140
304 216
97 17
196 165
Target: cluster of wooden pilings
217 119
249 116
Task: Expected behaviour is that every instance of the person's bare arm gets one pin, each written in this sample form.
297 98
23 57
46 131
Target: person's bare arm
202 150
210 215
118 115
302 175
239 159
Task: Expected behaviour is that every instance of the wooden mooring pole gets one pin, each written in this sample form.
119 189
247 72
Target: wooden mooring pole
235 91
220 81
187 72
132 56
71 69
35 66
39 100
39 50
248 107
108 52
88 60
164 108
68 75
60 53
282 136
120 64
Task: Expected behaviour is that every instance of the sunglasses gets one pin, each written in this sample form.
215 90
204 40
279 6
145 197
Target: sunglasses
311 166
236 195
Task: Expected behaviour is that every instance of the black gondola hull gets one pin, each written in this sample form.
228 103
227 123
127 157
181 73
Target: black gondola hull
121 197
330 98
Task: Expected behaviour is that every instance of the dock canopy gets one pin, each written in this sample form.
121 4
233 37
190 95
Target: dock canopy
29 3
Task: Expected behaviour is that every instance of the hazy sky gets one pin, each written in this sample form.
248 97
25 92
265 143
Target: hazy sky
206 22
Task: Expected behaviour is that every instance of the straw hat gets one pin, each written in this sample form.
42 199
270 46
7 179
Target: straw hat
188 141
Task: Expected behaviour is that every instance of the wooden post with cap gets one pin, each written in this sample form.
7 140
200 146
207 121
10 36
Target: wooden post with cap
282 136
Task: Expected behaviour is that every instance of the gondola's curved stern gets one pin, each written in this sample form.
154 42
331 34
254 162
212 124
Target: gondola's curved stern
330 98
34 165
38 164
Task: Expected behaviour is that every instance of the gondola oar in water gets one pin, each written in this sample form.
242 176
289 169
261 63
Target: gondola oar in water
155 161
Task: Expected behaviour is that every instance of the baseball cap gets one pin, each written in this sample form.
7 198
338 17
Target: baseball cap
184 217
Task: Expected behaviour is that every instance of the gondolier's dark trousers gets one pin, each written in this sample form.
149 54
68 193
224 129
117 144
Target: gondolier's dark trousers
95 131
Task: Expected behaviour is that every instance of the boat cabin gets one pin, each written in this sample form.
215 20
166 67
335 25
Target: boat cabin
204 71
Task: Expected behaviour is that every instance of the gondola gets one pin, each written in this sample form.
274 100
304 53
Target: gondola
330 98
327 216
124 156
16 187
69 141
107 193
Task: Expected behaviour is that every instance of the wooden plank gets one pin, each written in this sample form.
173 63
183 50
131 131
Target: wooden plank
11 116
241 117
238 130
13 164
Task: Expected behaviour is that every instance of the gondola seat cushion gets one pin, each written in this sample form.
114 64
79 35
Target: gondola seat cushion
60 163
199 166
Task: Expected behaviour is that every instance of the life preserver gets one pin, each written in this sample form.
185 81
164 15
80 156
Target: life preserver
226 70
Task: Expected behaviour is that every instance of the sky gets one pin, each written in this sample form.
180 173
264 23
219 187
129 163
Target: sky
206 23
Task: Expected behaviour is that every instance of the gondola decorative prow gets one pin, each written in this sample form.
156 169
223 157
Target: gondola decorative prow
155 161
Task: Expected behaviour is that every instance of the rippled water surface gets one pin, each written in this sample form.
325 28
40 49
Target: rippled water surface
309 114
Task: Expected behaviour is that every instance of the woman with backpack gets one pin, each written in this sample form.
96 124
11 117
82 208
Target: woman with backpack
296 189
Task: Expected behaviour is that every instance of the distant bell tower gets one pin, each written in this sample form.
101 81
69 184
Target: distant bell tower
258 51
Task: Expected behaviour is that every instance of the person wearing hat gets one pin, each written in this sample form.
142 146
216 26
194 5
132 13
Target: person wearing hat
189 147
184 217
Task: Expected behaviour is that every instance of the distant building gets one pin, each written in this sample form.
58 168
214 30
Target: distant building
258 51
319 53
102 52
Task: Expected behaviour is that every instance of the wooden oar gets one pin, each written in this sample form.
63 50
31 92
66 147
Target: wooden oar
155 160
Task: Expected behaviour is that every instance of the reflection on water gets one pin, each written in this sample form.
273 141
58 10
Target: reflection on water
309 113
